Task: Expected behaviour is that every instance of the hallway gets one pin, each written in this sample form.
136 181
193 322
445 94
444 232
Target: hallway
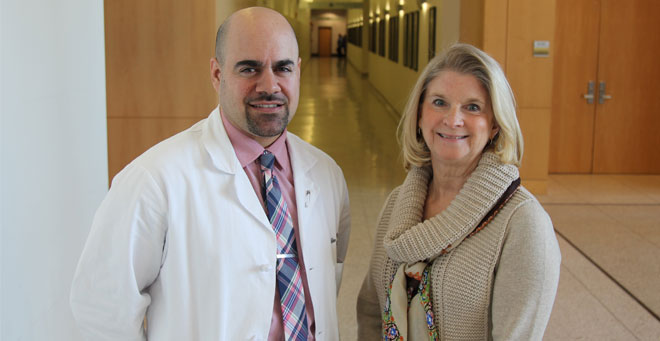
608 226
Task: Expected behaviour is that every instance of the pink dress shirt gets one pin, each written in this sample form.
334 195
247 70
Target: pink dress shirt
248 151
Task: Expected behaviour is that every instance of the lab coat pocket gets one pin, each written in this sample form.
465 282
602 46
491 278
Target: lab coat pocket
333 248
338 266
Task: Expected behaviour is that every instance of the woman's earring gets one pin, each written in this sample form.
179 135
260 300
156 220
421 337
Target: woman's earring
419 132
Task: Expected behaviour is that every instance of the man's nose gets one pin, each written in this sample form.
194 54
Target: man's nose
268 82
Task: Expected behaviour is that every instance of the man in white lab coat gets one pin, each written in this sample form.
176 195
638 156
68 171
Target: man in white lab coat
183 237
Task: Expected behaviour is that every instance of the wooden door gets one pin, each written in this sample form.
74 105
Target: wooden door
325 41
618 43
576 64
627 126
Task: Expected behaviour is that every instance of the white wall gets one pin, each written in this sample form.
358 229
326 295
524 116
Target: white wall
53 160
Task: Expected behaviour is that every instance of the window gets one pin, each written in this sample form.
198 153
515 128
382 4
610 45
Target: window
372 37
360 35
411 43
393 52
432 26
355 35
381 38
406 41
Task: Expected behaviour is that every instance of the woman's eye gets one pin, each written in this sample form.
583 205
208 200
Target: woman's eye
473 107
438 102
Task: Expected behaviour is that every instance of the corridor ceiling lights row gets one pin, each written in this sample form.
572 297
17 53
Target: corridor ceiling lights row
346 4
423 4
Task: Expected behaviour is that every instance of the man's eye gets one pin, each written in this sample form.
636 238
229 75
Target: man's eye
285 69
248 70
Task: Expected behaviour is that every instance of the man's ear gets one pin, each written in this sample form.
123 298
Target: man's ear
216 74
298 65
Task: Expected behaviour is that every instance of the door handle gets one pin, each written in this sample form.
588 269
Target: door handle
602 96
589 96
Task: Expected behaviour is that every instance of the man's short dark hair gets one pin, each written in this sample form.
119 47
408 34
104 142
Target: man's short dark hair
220 39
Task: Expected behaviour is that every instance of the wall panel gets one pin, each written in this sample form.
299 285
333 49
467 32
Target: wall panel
495 29
510 28
535 124
472 22
132 136
529 76
157 67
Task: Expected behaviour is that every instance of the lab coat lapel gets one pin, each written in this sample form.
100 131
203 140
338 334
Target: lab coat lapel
307 191
222 154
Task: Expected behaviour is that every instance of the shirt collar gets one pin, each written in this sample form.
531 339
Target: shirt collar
248 150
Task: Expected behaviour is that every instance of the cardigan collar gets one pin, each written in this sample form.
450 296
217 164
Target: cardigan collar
412 240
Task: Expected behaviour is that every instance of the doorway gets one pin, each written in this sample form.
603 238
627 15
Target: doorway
325 41
606 116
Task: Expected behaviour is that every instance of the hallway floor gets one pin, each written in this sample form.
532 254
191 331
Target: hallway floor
608 227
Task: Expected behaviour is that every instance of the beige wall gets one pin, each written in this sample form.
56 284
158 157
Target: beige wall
393 81
301 26
356 54
224 8
449 23
299 18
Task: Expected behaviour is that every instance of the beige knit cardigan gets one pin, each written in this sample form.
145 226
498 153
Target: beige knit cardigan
498 284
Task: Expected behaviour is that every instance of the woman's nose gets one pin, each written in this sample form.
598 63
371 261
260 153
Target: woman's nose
453 117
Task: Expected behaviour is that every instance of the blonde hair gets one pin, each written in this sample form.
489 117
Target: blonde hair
465 59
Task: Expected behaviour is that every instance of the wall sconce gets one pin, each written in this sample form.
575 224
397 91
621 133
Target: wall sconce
399 8
423 4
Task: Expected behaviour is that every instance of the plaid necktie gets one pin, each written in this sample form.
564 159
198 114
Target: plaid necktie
289 280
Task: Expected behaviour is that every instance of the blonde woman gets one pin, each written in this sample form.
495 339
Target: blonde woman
463 251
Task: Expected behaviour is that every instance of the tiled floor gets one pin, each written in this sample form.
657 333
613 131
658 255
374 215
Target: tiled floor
608 226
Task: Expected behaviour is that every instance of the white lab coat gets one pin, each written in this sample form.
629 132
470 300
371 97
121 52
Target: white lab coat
183 238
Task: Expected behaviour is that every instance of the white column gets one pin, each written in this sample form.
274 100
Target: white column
53 157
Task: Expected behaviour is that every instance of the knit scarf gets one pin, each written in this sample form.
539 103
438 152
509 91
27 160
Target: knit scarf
408 311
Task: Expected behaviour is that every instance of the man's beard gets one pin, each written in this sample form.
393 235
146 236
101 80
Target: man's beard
266 125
